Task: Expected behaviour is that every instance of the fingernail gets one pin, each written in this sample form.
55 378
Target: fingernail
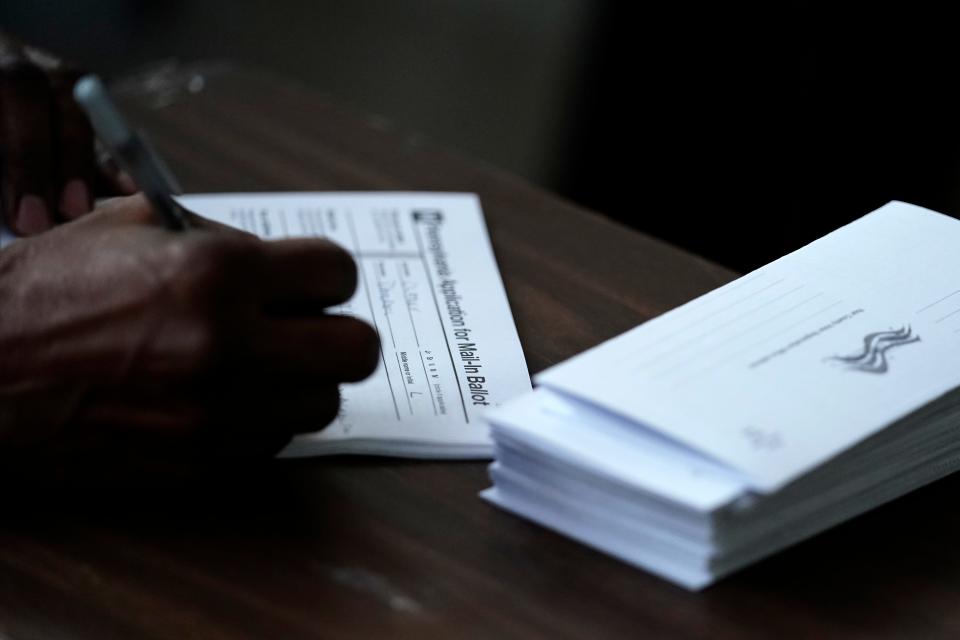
75 199
32 216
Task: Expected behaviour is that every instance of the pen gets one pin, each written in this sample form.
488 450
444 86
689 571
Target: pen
131 151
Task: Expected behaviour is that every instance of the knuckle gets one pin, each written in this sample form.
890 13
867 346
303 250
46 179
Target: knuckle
206 345
184 270
203 284
201 345
203 265
199 266
232 250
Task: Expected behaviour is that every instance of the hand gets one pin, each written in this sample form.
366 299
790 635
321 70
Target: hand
120 336
48 169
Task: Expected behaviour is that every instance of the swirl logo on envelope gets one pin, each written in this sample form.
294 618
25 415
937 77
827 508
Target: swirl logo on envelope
872 358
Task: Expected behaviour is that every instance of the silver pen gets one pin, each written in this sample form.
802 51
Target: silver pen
131 151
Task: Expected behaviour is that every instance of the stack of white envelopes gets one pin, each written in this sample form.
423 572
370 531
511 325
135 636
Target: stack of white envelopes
796 397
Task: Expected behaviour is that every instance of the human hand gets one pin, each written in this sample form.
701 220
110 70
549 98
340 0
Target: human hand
121 336
49 171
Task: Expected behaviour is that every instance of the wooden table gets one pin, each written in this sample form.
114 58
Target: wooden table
382 548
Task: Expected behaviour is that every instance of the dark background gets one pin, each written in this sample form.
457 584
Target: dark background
739 132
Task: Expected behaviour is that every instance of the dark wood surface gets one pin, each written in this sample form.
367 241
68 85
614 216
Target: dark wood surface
362 548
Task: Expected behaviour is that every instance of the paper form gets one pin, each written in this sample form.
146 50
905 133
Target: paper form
428 282
780 370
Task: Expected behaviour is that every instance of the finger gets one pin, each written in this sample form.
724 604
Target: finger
244 414
306 275
77 170
72 136
329 348
262 422
26 145
129 410
272 407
